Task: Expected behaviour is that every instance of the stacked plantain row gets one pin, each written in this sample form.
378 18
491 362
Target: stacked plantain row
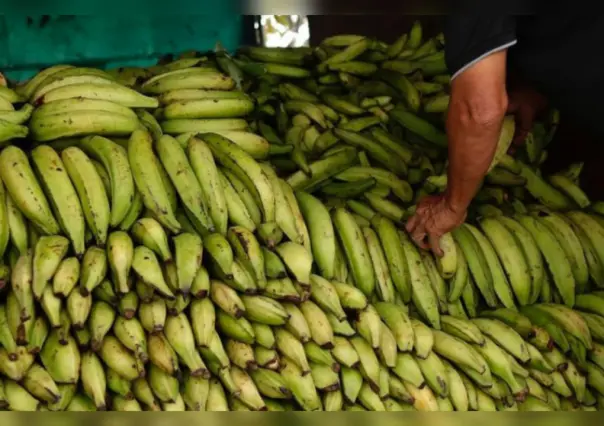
222 233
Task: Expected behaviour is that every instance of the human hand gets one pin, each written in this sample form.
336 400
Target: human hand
525 104
433 218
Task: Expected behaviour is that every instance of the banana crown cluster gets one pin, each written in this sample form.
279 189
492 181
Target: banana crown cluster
224 233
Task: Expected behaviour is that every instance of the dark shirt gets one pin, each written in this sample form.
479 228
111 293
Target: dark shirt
557 52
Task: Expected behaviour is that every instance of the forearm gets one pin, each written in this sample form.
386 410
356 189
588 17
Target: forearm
472 145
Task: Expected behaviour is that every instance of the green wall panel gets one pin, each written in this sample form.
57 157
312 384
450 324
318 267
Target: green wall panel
28 44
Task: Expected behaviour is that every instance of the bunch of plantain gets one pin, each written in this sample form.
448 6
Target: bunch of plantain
226 233
14 115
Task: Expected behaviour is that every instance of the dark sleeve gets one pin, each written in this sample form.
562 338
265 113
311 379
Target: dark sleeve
469 38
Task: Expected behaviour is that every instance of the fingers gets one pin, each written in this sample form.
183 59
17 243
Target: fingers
418 233
428 223
412 223
416 230
434 242
419 238
426 241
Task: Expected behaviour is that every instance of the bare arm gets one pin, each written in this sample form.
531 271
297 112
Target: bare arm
476 54
476 112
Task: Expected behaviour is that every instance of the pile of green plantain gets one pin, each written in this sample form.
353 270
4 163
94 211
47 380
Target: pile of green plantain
226 233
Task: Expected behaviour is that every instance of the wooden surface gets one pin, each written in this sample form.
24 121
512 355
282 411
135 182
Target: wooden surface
571 144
